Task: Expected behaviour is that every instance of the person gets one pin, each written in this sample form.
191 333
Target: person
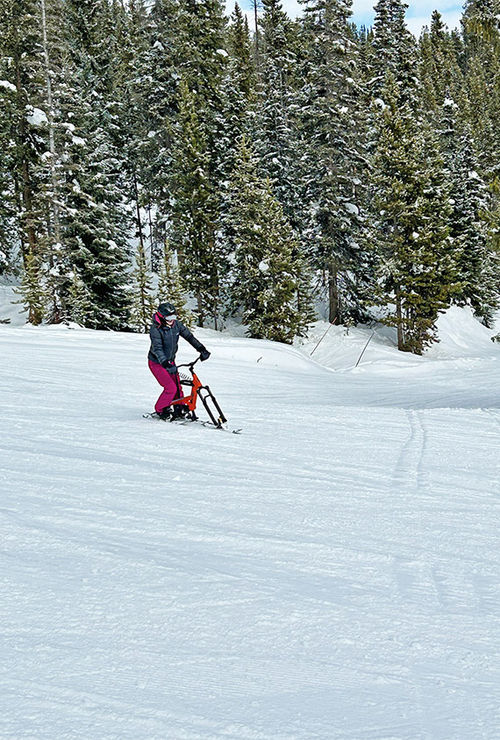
164 333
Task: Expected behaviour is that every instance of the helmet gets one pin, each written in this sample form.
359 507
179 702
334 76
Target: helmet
166 310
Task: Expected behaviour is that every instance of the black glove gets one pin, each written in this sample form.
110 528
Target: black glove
204 354
169 366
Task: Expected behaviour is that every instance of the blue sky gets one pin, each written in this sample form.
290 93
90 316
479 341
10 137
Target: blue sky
418 15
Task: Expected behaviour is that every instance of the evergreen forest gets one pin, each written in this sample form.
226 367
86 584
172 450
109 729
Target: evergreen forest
160 149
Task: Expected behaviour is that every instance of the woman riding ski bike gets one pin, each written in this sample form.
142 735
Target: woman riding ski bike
165 332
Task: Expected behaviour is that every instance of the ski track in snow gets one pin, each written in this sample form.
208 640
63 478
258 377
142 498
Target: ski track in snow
332 573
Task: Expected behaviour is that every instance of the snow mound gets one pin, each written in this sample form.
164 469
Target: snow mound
11 311
363 348
462 335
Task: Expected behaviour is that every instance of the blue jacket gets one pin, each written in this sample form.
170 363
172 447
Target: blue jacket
164 341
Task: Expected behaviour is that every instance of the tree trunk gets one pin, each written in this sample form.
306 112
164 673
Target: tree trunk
333 294
399 319
257 44
138 215
50 119
201 314
29 236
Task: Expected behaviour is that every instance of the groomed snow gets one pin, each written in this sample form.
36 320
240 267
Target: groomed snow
332 573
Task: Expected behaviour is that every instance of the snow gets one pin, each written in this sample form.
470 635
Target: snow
7 85
10 310
332 572
351 208
36 117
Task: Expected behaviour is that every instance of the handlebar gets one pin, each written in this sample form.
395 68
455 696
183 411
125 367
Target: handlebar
190 364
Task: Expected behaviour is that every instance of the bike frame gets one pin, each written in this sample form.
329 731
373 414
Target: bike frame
203 392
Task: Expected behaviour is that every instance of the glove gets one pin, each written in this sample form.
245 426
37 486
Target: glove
204 354
169 366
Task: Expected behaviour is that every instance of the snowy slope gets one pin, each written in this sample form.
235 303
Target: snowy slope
331 573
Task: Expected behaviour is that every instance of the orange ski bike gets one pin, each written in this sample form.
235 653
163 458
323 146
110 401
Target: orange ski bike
202 392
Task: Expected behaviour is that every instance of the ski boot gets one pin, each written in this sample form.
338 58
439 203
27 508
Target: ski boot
165 414
179 411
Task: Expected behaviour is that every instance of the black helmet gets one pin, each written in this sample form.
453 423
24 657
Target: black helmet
166 310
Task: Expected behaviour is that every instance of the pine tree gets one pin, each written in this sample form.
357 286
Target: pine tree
34 295
481 24
194 212
478 269
481 31
440 72
333 156
394 50
8 204
170 286
275 140
266 275
203 61
143 302
96 226
94 221
81 301
238 97
21 67
152 91
410 228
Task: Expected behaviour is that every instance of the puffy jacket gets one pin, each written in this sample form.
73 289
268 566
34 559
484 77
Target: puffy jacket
164 340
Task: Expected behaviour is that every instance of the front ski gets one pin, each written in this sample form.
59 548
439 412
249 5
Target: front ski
185 421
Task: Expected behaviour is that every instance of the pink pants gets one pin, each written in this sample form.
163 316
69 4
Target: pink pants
171 386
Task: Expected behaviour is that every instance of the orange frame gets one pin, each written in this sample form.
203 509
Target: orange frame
190 401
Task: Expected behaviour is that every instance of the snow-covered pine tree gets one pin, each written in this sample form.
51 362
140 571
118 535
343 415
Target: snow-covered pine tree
266 275
143 300
170 286
238 97
55 160
194 211
275 137
410 222
440 72
95 223
154 72
203 61
478 266
240 53
21 72
80 299
394 50
481 31
481 26
32 291
8 206
333 157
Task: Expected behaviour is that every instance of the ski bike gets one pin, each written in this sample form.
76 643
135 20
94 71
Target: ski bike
186 411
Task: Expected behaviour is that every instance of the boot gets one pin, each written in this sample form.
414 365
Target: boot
179 411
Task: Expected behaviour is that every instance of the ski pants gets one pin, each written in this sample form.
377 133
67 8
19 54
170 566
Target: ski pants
171 385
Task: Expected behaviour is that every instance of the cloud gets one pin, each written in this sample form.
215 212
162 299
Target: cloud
451 18
418 14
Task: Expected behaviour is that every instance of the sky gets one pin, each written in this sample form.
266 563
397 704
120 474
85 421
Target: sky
418 15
